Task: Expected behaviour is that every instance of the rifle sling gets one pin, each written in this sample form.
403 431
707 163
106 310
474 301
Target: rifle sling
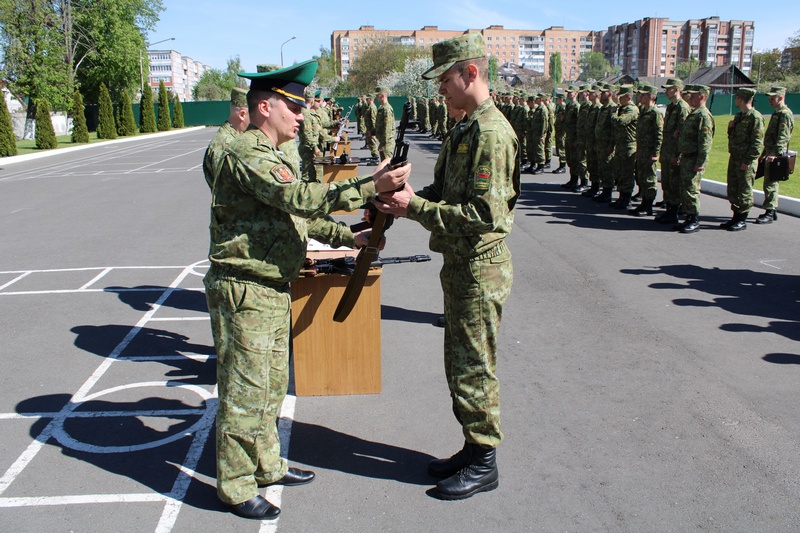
366 256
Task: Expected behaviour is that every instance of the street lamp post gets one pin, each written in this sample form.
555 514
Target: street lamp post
148 45
284 42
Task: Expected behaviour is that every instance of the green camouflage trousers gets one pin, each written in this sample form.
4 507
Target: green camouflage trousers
474 294
372 144
690 186
561 141
740 184
646 178
670 180
250 325
771 189
605 165
387 150
625 168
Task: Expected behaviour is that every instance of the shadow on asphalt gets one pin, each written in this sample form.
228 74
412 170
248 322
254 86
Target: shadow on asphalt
390 312
143 297
322 447
740 292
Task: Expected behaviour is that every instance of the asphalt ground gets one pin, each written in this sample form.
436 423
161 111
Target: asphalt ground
649 378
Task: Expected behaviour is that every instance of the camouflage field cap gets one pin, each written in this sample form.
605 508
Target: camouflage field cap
673 82
382 90
447 53
646 88
541 95
746 93
239 97
702 89
776 91
595 88
625 90
572 89
289 82
584 87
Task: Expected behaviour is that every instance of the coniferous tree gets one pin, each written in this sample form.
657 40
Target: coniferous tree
106 126
80 132
147 118
127 124
8 141
163 107
45 134
177 119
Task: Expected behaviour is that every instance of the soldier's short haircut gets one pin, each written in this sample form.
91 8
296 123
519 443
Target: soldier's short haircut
481 62
255 96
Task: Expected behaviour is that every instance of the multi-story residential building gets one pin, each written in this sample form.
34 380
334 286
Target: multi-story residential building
530 49
655 46
180 73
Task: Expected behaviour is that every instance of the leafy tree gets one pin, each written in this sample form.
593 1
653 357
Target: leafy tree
326 73
177 119
80 133
8 141
684 69
494 78
555 68
216 84
766 66
45 134
377 61
147 115
163 108
106 126
593 66
409 82
127 124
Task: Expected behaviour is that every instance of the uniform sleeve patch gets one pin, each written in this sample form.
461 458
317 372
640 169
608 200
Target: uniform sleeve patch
282 174
483 178
462 149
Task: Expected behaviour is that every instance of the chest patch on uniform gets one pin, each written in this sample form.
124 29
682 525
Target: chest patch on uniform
462 149
282 174
482 178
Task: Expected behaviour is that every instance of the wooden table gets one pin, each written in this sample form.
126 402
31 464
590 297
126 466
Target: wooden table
332 358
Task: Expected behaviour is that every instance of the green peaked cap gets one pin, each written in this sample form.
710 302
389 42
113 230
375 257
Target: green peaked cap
289 82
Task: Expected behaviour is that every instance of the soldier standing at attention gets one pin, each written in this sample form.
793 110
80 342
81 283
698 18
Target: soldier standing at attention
604 144
583 133
384 124
370 117
649 131
261 217
694 146
745 142
469 211
571 128
776 142
589 141
551 129
624 126
309 137
537 132
560 134
674 117
238 120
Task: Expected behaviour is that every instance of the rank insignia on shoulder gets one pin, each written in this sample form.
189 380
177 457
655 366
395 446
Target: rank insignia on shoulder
463 148
282 174
482 178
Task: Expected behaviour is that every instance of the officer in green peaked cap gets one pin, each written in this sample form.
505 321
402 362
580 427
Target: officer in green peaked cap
448 53
289 82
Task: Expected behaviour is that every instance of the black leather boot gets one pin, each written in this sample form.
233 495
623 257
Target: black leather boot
670 216
447 467
573 180
539 169
582 185
645 209
623 202
729 223
767 217
562 169
480 475
592 192
691 225
740 223
604 196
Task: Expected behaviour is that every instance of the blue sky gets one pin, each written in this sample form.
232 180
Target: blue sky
211 31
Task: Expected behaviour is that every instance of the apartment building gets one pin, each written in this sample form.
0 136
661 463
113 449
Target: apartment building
655 46
530 49
180 73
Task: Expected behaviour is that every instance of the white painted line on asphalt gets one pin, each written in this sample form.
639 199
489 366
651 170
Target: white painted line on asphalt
95 279
200 358
167 159
106 414
180 319
275 492
14 280
83 499
766 262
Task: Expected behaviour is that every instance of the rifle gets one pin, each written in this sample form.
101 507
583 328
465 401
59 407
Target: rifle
341 126
346 265
380 222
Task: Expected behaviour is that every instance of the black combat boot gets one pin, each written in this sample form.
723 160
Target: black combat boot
582 186
539 169
729 223
604 196
592 192
670 216
447 467
767 217
637 197
623 202
479 475
562 168
691 225
547 165
741 222
573 180
645 209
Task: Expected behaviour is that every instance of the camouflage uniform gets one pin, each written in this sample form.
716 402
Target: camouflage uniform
624 126
674 118
776 141
385 130
469 211
589 143
370 117
310 139
582 137
745 142
649 131
422 115
259 229
574 162
561 133
604 146
215 152
537 131
551 131
694 144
